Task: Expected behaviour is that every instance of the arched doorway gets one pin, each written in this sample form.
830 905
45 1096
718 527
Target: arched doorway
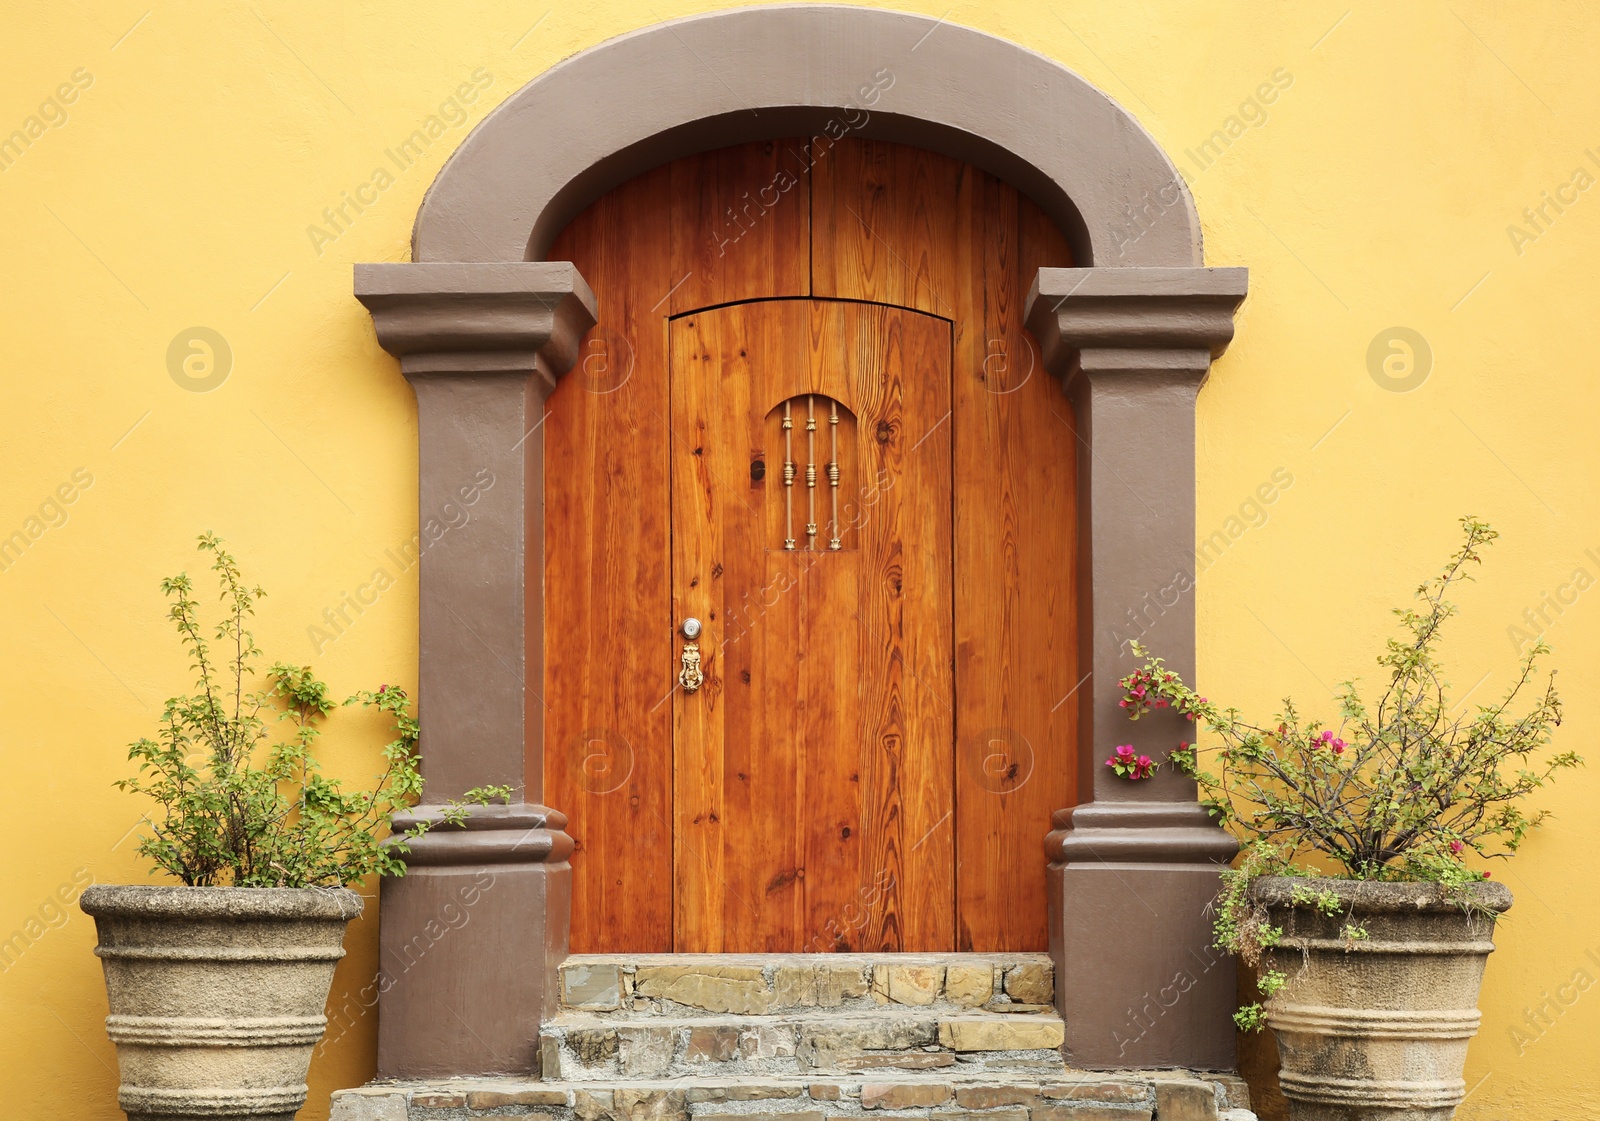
486 324
883 725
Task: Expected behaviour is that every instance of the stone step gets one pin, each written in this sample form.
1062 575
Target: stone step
591 1047
634 986
1068 1096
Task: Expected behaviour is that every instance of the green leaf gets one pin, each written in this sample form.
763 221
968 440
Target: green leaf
237 805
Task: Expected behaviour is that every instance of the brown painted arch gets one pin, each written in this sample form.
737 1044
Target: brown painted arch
632 103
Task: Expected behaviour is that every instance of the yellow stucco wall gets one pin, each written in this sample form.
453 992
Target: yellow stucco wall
172 187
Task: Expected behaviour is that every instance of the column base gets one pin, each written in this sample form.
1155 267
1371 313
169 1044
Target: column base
1138 982
470 941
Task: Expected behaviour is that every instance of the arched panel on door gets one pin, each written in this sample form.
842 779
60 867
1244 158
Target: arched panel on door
813 769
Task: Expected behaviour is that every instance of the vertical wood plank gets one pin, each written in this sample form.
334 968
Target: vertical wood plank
838 659
901 364
738 866
699 813
885 219
607 641
740 226
1016 665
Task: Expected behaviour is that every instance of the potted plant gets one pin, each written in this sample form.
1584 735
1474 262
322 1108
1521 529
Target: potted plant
217 987
1354 899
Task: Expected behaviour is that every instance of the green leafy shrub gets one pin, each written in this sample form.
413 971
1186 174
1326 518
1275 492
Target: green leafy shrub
240 807
1400 789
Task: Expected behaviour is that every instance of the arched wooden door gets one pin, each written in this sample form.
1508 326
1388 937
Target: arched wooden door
813 768
884 727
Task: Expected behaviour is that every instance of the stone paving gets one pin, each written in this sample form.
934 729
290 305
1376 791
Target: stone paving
679 1037
1074 1096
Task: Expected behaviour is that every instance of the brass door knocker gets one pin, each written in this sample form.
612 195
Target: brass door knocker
690 676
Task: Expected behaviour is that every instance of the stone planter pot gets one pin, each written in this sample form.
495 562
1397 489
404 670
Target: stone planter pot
1377 1028
217 994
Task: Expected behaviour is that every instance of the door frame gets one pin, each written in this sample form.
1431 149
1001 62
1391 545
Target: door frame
483 327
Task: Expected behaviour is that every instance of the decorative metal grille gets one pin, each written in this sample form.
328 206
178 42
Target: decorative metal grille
813 407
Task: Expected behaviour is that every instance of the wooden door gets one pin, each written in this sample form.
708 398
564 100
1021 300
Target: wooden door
894 232
811 521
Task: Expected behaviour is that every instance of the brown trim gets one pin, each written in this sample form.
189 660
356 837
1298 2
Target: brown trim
634 102
482 334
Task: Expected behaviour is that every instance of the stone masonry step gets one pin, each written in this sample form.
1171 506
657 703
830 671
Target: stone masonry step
635 986
1069 1096
589 1047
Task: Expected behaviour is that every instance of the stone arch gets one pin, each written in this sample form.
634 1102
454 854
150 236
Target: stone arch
708 81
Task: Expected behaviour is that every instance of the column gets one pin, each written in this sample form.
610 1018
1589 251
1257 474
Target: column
1134 868
472 935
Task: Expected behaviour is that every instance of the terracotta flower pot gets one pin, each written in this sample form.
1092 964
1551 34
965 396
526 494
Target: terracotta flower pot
217 994
1378 1027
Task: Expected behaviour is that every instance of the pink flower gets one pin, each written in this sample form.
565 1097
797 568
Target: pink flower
1129 765
1456 846
1327 735
1486 875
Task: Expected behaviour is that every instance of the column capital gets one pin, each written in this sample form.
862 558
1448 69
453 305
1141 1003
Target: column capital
1177 319
444 317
